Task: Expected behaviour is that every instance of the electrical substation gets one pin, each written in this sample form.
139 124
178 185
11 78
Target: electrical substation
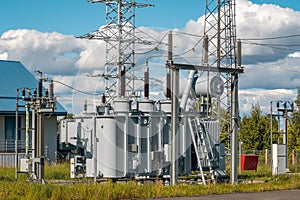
129 135
279 139
38 103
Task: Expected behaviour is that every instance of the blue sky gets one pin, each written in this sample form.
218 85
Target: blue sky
77 17
39 33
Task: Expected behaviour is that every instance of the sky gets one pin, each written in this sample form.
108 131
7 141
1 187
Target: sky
41 34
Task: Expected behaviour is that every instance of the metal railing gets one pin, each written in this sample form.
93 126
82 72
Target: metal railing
8 146
265 158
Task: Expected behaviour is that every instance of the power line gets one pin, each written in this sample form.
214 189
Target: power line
80 91
273 38
188 34
272 46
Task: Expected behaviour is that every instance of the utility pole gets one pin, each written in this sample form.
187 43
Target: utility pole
40 132
234 130
16 137
174 117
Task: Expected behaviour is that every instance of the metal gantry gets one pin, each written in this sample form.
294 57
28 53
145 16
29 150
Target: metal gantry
220 31
280 112
37 104
119 33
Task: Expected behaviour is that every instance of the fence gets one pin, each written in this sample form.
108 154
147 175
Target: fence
8 159
8 146
265 158
7 153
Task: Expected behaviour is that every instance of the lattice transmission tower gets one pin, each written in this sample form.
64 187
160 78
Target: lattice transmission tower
224 51
220 31
120 35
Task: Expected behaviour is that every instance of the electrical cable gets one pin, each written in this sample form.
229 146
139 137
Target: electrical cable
271 46
188 34
192 49
273 38
156 47
80 91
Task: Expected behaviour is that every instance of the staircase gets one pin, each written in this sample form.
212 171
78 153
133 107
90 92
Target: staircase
203 147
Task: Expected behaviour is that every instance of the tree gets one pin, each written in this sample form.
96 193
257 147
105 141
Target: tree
255 130
294 132
294 127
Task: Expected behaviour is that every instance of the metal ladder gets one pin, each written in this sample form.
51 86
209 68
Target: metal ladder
202 146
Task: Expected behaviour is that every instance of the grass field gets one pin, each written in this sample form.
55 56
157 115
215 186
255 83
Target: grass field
23 189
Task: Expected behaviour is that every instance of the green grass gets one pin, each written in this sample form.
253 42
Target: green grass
262 173
22 189
57 172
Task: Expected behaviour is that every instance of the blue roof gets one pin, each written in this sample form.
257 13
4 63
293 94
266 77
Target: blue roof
14 75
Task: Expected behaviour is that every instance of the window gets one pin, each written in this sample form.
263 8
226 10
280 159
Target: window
10 128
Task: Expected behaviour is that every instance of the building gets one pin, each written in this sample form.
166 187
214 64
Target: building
14 76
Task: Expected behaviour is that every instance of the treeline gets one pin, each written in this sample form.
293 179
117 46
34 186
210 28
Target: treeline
255 132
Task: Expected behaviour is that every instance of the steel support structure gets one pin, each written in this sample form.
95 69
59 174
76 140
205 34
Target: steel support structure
119 33
281 113
220 29
16 135
175 111
39 105
175 67
234 129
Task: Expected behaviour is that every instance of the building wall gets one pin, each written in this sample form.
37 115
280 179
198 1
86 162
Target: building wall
50 138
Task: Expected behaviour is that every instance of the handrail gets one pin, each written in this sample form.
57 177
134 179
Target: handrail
9 145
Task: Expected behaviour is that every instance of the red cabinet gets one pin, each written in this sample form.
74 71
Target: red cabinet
249 161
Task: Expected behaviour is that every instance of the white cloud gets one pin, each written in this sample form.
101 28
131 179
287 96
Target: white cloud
294 55
247 98
266 21
69 60
3 56
52 53
284 73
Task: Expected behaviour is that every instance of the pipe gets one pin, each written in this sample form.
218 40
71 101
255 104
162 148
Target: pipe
27 129
234 129
187 90
174 117
33 136
40 148
170 57
16 137
95 149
